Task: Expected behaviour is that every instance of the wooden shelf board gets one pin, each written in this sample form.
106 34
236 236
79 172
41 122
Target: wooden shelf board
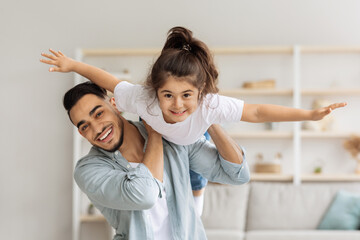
262 134
330 49
120 52
325 92
305 177
92 218
331 178
225 50
312 134
253 50
270 177
256 92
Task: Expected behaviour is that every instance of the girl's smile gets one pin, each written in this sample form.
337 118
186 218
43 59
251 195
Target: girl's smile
177 99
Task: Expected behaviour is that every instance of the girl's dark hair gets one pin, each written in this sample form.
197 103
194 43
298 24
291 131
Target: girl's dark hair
184 56
73 95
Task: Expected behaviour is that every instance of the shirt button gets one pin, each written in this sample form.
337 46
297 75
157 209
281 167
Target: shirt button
117 153
128 166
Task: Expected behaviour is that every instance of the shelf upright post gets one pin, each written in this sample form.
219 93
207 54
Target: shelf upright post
297 125
76 157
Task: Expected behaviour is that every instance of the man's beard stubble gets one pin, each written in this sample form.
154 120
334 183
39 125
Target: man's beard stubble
121 138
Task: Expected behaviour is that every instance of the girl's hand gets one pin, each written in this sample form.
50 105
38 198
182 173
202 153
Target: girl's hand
59 60
320 113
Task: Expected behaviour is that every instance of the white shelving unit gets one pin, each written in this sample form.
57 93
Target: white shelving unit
294 94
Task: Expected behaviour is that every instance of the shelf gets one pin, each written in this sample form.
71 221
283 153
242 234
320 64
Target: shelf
265 177
270 177
331 178
261 134
313 134
226 50
326 92
283 134
92 218
120 52
256 92
253 50
330 49
156 51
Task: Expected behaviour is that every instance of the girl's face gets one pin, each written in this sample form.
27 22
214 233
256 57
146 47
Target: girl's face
178 99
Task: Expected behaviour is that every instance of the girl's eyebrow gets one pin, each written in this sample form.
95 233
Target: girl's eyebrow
168 91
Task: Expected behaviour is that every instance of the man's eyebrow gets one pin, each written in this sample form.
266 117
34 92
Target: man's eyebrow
79 124
94 109
90 113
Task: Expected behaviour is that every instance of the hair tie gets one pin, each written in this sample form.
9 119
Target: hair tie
186 47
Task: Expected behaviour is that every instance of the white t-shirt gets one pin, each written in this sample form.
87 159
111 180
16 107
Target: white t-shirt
159 216
214 109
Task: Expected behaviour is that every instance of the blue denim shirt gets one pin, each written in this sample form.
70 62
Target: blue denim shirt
122 193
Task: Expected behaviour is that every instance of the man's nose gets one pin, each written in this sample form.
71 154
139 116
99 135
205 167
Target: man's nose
98 128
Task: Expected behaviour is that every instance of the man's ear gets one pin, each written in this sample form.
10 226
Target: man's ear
112 102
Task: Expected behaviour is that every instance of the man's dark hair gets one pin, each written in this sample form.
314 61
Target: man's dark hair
72 96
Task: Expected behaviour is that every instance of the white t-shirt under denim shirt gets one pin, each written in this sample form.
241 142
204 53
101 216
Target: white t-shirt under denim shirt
214 109
158 216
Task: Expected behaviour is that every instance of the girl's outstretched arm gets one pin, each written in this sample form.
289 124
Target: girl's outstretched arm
63 63
274 113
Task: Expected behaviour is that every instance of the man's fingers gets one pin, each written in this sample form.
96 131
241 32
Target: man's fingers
55 53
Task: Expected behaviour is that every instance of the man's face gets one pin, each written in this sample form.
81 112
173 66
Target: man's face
98 122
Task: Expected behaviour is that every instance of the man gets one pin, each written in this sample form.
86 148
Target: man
139 181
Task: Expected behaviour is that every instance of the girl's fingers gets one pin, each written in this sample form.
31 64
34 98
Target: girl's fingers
61 54
50 62
55 53
48 56
337 105
54 69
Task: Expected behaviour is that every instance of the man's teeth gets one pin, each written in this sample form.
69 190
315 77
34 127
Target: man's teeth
106 134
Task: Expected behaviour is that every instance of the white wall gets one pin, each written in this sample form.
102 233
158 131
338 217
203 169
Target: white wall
36 143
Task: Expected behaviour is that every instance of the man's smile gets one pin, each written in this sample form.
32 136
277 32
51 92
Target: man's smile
106 135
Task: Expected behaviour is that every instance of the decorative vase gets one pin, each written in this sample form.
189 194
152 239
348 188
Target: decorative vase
357 170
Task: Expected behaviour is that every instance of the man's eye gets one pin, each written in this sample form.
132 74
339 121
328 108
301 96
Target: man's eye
83 128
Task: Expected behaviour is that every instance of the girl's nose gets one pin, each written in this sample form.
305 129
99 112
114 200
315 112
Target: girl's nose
178 103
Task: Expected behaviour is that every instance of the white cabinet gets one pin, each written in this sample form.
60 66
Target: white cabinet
299 80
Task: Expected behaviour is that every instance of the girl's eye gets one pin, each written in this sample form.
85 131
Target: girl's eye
187 95
167 96
99 114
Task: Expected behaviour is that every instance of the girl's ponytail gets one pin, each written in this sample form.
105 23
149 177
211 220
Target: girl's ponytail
183 55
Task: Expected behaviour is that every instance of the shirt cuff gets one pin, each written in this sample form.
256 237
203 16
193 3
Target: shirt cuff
234 168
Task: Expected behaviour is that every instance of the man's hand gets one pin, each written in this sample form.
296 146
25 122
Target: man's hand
320 113
59 60
150 130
